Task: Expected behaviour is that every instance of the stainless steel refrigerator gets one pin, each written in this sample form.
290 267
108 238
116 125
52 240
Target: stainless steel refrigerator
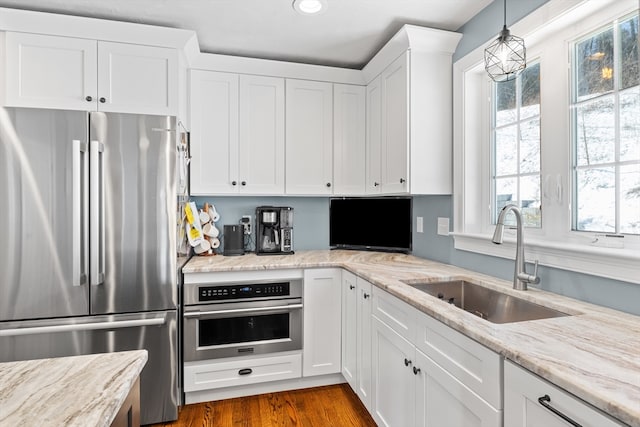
88 242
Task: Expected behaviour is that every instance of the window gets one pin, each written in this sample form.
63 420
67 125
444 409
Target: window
515 151
606 123
562 142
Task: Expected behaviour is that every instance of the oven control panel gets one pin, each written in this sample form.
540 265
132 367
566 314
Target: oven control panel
231 292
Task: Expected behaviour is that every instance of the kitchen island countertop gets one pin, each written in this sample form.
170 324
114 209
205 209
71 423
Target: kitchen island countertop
68 391
594 353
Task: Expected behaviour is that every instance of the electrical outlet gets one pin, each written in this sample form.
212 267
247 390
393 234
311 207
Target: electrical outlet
246 223
443 226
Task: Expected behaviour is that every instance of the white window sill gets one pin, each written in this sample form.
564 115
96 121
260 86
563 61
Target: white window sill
612 263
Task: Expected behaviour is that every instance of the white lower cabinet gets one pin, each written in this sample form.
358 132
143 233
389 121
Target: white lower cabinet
442 400
530 401
322 296
393 394
356 335
200 376
411 389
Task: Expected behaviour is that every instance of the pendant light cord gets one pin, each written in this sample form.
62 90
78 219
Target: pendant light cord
505 13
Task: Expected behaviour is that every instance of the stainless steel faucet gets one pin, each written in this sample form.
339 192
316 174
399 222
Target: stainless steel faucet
520 275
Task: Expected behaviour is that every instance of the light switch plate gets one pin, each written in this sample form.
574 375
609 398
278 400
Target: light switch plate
443 226
419 225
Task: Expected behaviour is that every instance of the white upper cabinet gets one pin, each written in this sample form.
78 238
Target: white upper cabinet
395 126
349 107
409 113
374 138
50 72
79 74
261 162
237 134
309 137
213 101
137 79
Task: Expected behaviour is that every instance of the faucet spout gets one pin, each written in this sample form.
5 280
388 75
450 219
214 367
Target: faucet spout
520 275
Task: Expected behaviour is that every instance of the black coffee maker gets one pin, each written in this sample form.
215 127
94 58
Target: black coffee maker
274 233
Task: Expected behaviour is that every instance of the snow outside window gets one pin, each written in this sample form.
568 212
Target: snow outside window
606 137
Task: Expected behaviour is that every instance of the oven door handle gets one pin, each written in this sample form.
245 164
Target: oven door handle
241 310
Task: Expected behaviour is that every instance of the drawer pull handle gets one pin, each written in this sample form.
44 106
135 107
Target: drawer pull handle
546 400
245 371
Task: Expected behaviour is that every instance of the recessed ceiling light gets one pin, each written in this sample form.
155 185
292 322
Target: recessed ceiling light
309 7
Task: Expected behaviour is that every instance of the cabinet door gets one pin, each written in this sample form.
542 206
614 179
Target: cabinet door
349 328
309 135
322 297
261 161
349 139
374 137
522 390
50 72
441 400
137 79
393 400
213 104
363 348
395 126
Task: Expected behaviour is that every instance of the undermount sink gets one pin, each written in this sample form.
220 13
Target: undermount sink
486 303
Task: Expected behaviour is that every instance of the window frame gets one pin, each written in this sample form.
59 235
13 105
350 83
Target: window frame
555 244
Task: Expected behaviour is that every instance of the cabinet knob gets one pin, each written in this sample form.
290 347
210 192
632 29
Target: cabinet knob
234 183
416 371
407 362
402 180
243 183
366 295
103 100
89 99
328 184
352 287
375 184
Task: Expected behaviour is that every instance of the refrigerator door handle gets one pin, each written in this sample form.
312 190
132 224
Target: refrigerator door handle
119 324
96 209
79 212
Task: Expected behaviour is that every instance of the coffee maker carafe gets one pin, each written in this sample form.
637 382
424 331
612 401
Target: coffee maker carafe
274 234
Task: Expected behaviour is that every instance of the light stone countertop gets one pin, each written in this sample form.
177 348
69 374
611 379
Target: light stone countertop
68 391
594 354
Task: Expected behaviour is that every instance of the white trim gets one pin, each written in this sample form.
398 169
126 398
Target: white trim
555 245
617 264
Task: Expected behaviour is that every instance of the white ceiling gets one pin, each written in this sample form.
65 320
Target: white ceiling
348 34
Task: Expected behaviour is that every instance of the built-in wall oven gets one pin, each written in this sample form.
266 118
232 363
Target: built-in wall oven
241 318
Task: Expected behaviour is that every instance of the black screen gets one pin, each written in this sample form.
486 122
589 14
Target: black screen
380 223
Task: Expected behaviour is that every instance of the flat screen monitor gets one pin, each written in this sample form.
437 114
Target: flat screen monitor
371 223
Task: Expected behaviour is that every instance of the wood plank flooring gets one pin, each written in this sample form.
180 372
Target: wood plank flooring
335 405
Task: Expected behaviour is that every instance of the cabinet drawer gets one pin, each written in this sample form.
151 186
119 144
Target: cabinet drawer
211 375
471 363
397 314
522 389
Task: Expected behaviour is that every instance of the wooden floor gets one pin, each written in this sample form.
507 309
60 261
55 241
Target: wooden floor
334 405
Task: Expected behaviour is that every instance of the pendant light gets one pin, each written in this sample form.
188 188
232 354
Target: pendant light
506 56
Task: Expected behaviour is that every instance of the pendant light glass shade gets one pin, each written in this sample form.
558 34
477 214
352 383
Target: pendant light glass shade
506 56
